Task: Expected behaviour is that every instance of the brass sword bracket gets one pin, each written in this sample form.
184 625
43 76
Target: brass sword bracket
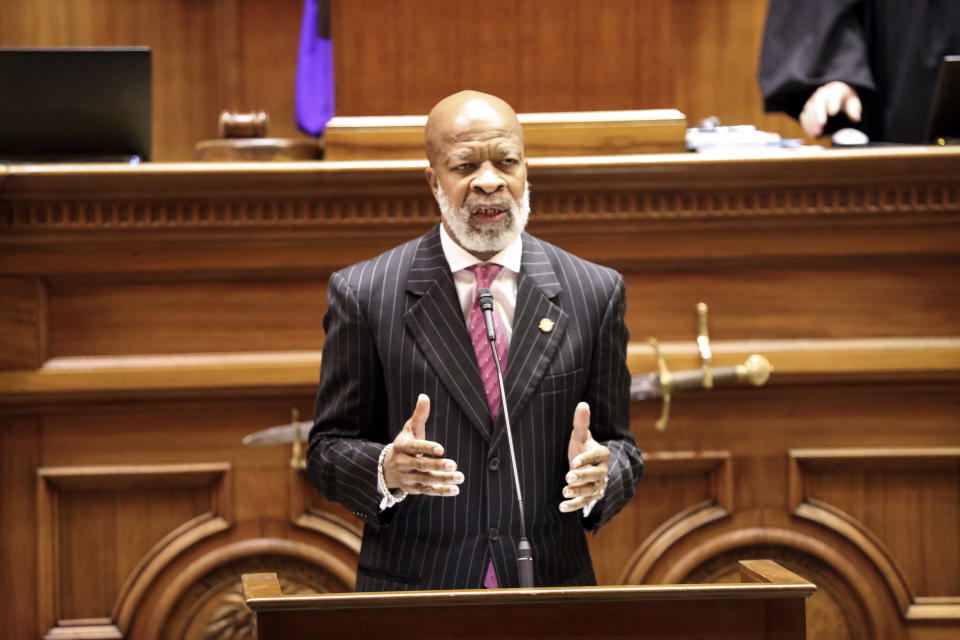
703 345
666 385
298 459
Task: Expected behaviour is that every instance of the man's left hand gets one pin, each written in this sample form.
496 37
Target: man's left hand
587 478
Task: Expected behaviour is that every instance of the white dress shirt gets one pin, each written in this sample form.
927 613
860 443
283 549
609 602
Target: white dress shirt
503 287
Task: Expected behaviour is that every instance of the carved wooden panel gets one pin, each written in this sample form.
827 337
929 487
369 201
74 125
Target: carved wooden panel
131 520
681 491
311 510
206 602
855 246
900 506
856 599
846 265
832 611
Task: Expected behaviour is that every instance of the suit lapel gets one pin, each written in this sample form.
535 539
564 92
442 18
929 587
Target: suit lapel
532 349
436 323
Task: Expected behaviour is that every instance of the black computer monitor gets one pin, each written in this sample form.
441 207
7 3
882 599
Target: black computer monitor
943 122
75 104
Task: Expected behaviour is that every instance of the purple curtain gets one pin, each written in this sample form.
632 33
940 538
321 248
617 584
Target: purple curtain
314 100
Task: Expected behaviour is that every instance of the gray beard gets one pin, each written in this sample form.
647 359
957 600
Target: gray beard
488 238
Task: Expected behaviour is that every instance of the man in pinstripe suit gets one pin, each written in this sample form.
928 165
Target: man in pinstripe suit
403 433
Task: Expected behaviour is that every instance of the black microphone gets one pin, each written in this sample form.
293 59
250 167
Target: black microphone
524 551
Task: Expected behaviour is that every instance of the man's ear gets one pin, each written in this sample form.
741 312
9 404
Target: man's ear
431 179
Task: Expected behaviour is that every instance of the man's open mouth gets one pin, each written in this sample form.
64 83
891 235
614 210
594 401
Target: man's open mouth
488 212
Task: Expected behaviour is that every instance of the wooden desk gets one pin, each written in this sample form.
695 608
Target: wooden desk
152 316
768 604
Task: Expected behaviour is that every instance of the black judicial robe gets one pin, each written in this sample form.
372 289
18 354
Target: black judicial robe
888 50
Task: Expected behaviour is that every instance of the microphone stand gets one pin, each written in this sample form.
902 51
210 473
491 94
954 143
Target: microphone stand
524 551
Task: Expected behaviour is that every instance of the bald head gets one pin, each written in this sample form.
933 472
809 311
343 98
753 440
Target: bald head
465 114
477 172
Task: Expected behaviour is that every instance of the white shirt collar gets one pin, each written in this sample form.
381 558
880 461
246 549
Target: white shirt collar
459 258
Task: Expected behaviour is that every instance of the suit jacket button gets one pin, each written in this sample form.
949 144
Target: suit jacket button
493 534
494 463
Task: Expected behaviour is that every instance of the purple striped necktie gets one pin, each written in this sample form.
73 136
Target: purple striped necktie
485 274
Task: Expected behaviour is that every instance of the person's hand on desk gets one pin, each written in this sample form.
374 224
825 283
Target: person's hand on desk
827 101
587 478
414 464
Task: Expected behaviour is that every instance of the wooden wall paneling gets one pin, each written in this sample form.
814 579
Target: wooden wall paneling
262 488
902 506
268 33
682 491
264 375
699 56
760 428
797 414
20 450
773 299
226 55
716 55
760 299
202 570
105 532
199 598
308 508
781 269
142 378
758 225
187 105
851 601
23 323
396 58
181 429
188 314
816 362
757 299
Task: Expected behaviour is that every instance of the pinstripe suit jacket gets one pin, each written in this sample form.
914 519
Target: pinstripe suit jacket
394 329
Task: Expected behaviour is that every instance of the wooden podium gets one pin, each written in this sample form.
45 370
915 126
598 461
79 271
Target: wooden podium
769 603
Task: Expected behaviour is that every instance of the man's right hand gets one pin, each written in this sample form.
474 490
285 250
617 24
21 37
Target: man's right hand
415 463
827 101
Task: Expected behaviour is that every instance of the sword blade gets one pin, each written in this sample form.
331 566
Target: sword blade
281 434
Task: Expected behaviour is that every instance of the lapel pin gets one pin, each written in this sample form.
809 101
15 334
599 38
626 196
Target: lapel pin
546 325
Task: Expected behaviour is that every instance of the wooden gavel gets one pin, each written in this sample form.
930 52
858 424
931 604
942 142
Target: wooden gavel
253 124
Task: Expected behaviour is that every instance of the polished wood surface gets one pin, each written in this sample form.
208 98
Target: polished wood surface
158 314
257 150
576 133
398 58
768 604
698 56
